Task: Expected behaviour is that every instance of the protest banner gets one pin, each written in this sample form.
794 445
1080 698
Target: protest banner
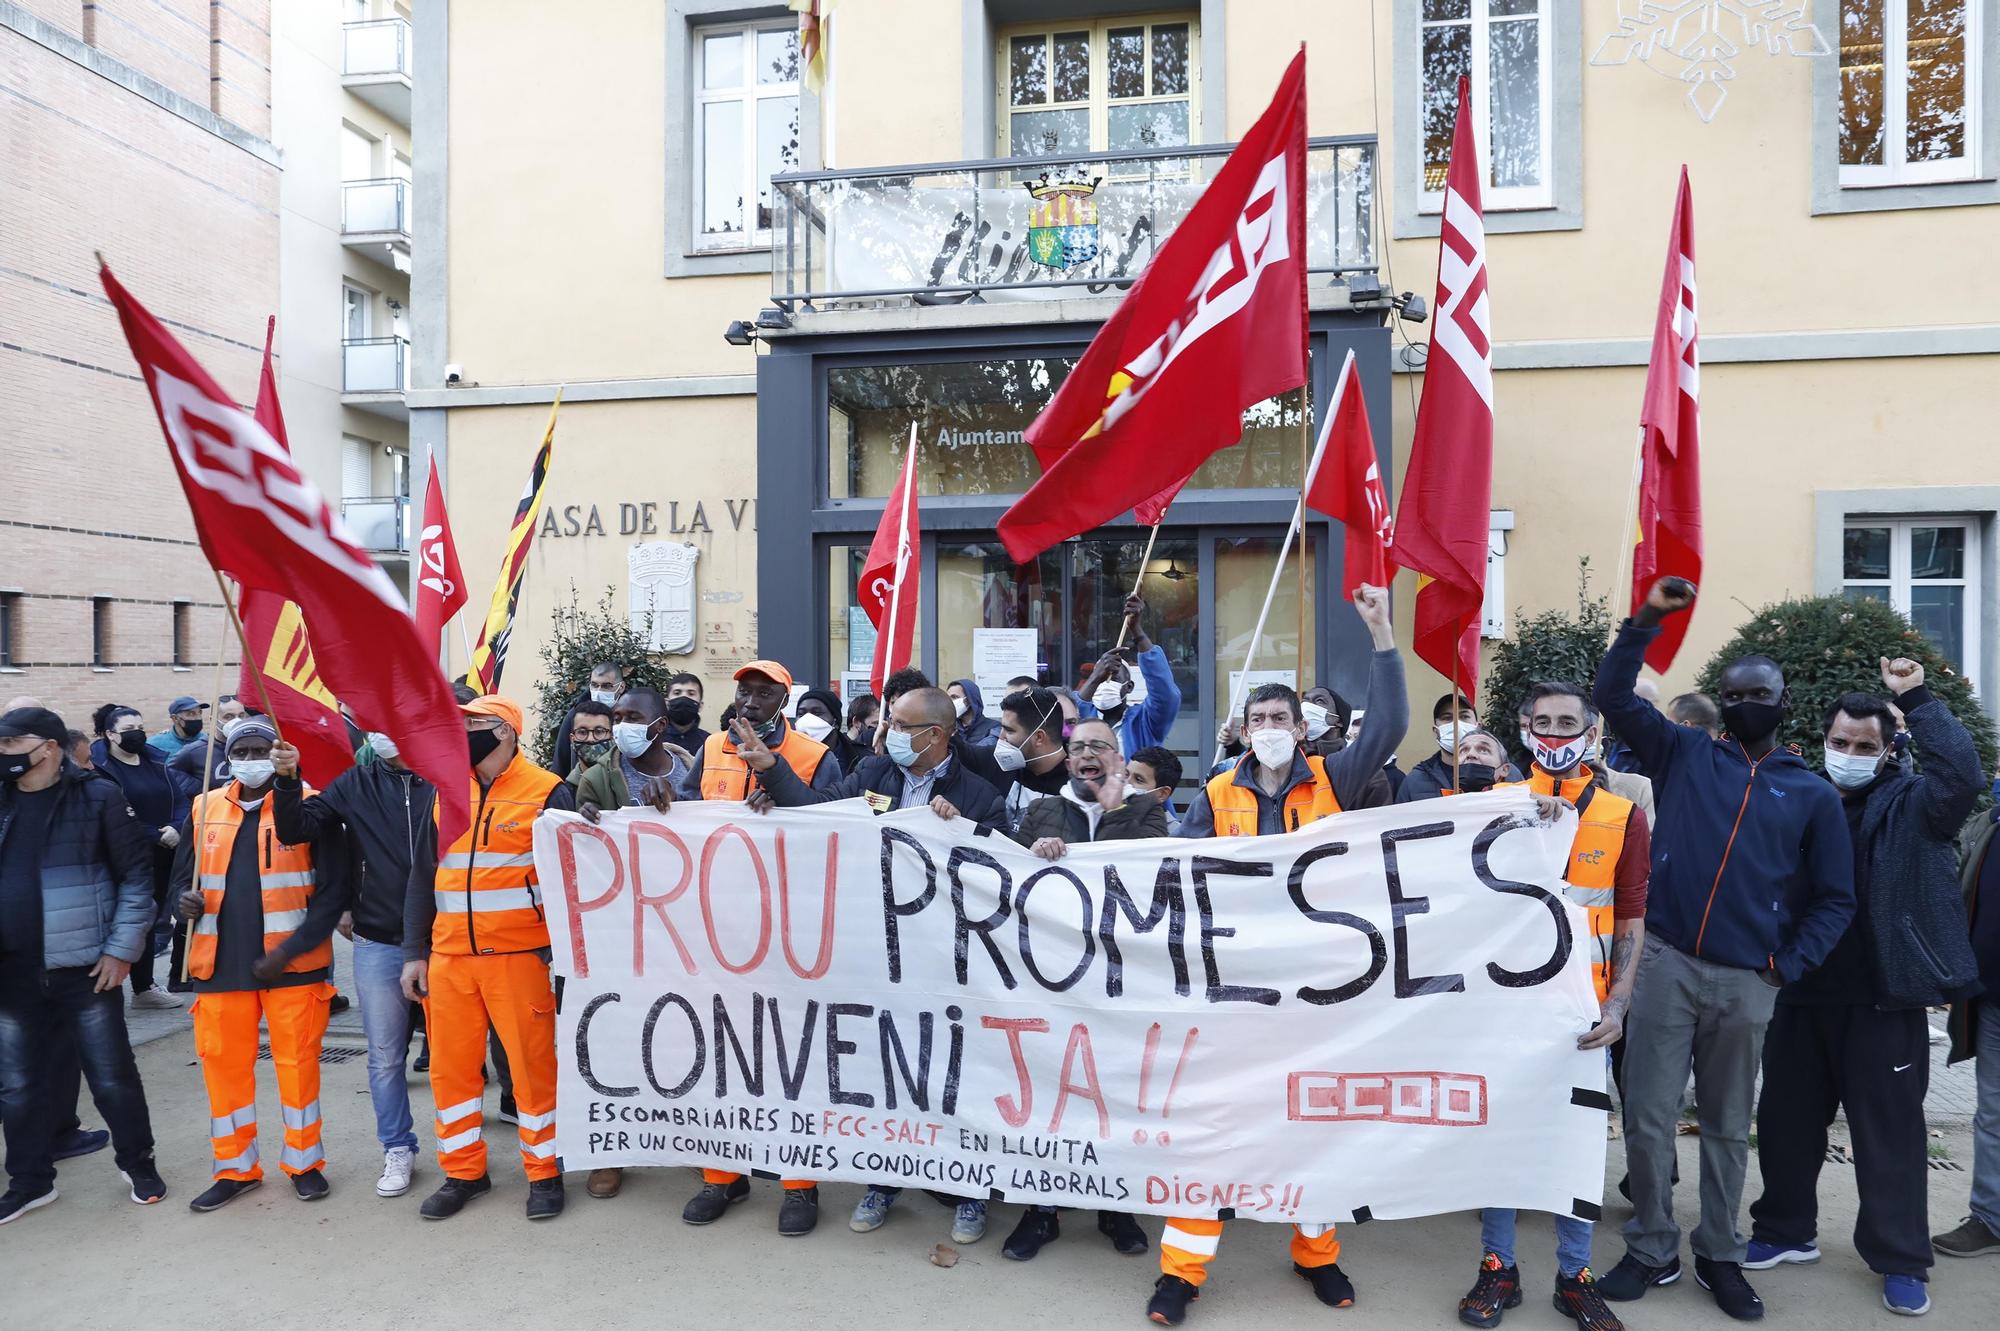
1376 1015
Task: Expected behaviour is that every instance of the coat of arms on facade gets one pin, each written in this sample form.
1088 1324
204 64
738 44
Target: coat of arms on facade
661 594
1062 225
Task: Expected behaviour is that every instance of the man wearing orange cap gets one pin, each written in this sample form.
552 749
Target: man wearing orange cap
476 952
720 773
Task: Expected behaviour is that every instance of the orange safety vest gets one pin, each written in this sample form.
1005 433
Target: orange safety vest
488 897
1593 857
725 776
1235 807
284 872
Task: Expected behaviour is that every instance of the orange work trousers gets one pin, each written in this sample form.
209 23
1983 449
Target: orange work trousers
1188 1246
225 1039
725 1178
510 993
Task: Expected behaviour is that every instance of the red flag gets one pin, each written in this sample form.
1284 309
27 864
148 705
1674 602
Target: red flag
1669 534
263 522
1346 485
1216 323
1442 521
440 586
889 579
280 651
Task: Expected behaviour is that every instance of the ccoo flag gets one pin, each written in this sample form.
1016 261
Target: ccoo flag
489 654
440 584
1669 534
892 574
1442 521
1216 323
1346 485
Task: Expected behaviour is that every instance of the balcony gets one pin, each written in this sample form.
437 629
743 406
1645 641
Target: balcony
375 220
374 374
1014 229
381 524
375 65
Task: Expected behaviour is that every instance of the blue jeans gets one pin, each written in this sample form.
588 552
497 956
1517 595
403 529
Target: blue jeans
35 1006
1986 1120
1496 1232
385 1018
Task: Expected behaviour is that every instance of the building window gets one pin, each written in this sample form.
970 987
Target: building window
356 313
1926 567
357 467
1117 85
100 631
10 629
183 634
1908 91
746 129
1504 46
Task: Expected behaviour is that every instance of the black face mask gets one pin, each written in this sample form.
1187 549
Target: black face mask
132 741
14 766
189 729
683 712
1475 777
481 744
1752 722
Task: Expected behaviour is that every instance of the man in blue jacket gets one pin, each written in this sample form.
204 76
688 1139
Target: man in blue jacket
1752 885
1140 706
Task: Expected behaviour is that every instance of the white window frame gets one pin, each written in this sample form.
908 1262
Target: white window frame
348 290
1896 101
1515 198
1099 104
749 95
1899 581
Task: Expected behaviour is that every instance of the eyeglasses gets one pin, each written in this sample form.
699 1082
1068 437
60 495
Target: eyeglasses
588 736
482 723
1079 748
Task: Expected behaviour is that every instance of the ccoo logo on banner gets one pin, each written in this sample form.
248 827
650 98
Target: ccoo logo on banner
1374 1016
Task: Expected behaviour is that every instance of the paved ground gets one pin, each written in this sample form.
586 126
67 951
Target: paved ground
356 1262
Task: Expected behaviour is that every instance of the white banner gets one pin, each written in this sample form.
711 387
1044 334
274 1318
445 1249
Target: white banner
1374 1016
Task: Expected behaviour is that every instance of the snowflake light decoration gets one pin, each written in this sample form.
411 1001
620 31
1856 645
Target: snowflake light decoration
1699 41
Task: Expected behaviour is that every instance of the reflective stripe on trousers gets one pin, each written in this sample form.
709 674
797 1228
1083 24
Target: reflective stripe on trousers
509 992
1187 1246
225 1040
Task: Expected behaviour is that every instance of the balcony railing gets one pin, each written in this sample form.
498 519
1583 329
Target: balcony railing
381 523
374 364
379 46
1033 228
375 207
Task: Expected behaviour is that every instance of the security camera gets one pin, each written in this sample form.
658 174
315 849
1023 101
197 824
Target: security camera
454 373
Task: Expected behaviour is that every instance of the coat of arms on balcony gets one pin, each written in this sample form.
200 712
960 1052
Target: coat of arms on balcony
1062 225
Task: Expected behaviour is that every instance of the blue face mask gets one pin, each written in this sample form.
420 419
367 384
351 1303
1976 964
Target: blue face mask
901 748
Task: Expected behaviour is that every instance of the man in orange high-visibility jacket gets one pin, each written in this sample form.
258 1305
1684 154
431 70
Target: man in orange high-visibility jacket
1610 863
476 951
720 773
264 913
1273 789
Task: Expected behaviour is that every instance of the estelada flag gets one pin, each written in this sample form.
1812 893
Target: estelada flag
812 41
1215 324
1443 518
440 584
891 574
1346 485
261 520
1669 534
489 654
280 650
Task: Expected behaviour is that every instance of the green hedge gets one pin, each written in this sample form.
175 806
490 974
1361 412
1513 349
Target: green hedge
581 638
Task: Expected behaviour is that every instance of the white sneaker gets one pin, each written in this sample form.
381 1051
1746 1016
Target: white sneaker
399 1165
156 997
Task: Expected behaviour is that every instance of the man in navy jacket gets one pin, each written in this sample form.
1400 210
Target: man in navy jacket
1752 885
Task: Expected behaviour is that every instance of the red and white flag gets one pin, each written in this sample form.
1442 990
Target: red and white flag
440 586
1346 485
888 590
1443 517
1215 324
1669 535
260 520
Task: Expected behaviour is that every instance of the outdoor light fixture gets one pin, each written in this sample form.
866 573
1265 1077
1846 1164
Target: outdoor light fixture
1411 307
773 317
739 333
1173 572
1363 288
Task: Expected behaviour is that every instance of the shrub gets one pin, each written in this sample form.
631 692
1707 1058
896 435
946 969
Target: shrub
1829 645
581 638
1554 645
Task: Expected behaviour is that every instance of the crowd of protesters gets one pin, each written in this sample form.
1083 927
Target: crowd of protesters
1776 931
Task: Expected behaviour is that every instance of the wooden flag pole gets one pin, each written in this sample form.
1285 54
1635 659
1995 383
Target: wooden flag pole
207 775
1457 737
249 657
1628 538
1305 479
1270 594
1125 624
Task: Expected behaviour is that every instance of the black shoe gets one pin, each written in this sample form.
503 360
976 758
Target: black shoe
1123 1231
706 1207
80 1142
310 1186
1496 1289
1171 1296
1631 1278
452 1195
1330 1284
340 1003
1579 1299
1732 1292
222 1192
423 1063
799 1213
508 1113
545 1198
146 1184
14 1205
1035 1229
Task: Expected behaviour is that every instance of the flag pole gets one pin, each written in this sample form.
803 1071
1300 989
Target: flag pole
1125 624
896 588
249 657
207 775
1305 479
1456 737
1628 536
464 638
1277 576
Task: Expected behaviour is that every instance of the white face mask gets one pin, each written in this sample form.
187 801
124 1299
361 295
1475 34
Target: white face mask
1317 723
1274 748
1851 771
252 772
1527 739
1449 733
1107 695
1593 750
632 737
957 709
812 727
1008 757
605 696
384 746
1558 755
